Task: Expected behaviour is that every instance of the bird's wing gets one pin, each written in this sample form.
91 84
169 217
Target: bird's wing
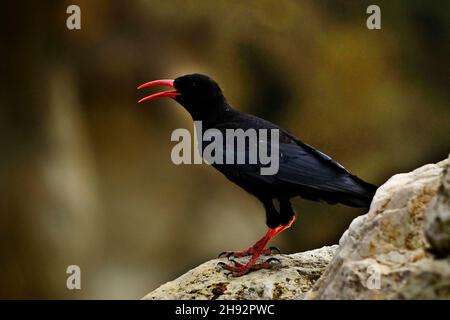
306 166
315 174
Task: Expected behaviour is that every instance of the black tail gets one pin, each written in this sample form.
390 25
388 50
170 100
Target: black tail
354 193
360 193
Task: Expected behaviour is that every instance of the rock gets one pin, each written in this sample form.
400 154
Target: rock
288 280
438 218
389 253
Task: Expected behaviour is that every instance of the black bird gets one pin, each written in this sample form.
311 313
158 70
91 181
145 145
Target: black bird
303 171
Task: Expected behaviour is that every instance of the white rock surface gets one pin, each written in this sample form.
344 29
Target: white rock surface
385 253
288 280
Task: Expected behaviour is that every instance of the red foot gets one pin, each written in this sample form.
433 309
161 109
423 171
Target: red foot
255 251
248 252
239 269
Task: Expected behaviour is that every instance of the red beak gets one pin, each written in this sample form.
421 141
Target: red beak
162 94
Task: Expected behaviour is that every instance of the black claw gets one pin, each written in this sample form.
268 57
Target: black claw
275 249
273 260
232 260
224 254
228 274
221 263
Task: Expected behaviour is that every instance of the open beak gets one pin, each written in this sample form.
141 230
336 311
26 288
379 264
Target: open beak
162 94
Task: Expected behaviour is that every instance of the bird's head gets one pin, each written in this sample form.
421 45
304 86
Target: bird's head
198 94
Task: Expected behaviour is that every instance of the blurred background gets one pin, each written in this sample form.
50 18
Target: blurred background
85 173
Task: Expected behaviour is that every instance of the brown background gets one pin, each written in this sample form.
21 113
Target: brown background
85 173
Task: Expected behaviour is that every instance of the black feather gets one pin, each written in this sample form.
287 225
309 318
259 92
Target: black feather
303 170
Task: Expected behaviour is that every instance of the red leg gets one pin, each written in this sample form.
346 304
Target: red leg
255 251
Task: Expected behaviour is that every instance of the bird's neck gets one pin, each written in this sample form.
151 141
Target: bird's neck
209 113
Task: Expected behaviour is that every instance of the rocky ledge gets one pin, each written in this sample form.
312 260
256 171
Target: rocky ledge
400 249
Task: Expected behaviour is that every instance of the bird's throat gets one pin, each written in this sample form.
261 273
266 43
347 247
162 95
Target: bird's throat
209 112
